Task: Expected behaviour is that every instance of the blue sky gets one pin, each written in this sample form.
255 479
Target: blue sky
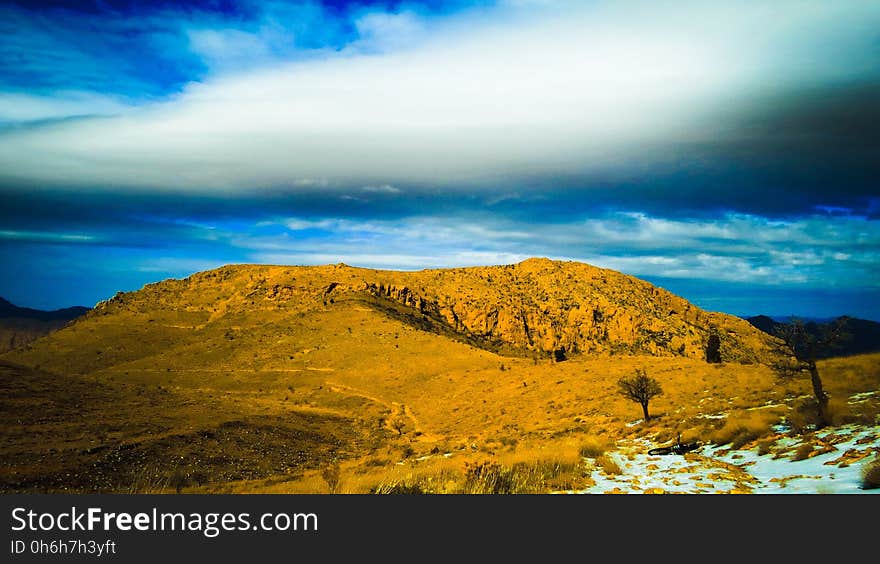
727 151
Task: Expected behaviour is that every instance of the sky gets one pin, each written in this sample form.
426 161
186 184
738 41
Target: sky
726 151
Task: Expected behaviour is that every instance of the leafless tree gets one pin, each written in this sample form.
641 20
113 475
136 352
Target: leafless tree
398 424
806 346
640 388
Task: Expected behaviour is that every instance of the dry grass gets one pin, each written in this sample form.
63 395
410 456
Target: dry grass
742 428
594 447
492 477
529 469
608 465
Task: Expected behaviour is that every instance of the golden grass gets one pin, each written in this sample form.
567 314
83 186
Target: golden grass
744 427
608 465
594 447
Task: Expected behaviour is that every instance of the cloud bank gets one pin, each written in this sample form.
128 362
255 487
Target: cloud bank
589 93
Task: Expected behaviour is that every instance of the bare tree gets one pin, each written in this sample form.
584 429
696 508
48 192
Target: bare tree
807 346
640 388
398 424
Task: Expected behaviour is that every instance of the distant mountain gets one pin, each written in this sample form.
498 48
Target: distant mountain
22 325
861 336
8 310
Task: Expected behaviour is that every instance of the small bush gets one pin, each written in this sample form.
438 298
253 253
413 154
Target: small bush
607 464
765 447
199 477
741 430
509 442
178 480
332 476
802 452
871 474
594 447
804 417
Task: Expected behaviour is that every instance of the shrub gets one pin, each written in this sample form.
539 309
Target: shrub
713 349
871 474
804 416
178 480
802 452
607 464
199 477
742 429
593 447
508 441
765 447
332 476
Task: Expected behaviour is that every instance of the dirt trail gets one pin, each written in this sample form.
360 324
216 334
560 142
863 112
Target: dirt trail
399 411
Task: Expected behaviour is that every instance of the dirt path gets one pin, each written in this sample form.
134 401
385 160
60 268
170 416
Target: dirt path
399 411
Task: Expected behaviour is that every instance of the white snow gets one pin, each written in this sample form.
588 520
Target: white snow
721 469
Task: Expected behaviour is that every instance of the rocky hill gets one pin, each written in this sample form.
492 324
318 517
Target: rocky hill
21 325
537 308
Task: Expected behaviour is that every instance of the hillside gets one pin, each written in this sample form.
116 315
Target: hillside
858 336
530 309
21 325
261 378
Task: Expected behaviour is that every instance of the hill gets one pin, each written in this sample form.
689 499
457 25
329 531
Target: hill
21 325
538 308
276 378
859 336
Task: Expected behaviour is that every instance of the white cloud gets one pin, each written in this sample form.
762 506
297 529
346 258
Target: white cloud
20 107
753 250
380 31
476 99
383 189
